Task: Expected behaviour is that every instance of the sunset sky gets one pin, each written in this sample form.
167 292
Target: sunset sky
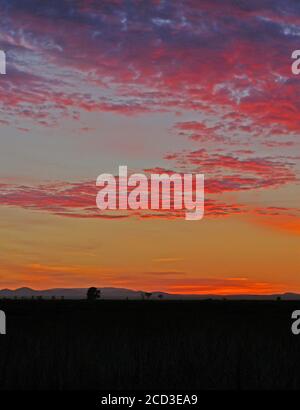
158 85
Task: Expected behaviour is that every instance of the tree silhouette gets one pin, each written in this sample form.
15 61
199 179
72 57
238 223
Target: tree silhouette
93 294
148 295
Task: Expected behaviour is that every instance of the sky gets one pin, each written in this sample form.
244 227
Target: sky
160 86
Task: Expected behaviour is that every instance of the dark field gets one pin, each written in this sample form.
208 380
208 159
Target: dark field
111 345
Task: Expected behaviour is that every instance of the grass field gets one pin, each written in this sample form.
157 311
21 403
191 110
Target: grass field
149 345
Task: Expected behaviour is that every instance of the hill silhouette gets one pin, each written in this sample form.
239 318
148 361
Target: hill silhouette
123 293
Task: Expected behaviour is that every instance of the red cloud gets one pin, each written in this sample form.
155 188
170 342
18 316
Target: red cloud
77 199
228 67
198 58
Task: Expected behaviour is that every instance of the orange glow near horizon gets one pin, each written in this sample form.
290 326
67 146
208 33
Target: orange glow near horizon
171 256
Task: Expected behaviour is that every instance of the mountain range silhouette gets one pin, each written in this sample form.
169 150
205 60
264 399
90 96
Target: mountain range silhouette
123 293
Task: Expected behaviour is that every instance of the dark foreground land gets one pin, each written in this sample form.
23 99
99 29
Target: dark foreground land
111 345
